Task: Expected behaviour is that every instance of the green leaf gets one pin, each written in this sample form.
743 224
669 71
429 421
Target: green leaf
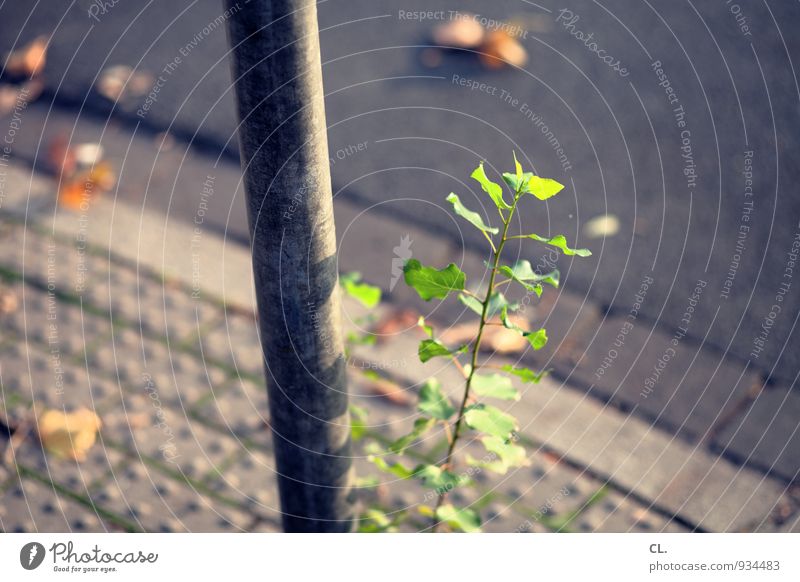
430 282
425 327
522 272
463 519
431 348
441 480
433 402
368 295
497 303
490 420
542 188
537 339
559 241
526 375
472 217
505 453
495 191
517 166
396 469
421 426
494 386
358 425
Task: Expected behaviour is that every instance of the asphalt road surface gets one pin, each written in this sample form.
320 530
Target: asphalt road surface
678 119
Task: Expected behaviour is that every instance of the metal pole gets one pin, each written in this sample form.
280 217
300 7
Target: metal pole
278 80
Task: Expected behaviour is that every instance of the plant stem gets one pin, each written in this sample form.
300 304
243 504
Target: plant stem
474 362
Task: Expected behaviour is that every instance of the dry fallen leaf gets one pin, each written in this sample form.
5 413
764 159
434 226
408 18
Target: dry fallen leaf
497 339
463 32
501 49
396 322
8 301
387 389
68 435
29 60
121 81
78 190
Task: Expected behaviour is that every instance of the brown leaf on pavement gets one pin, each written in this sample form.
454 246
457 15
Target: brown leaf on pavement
501 49
68 435
29 60
463 32
81 189
496 338
385 388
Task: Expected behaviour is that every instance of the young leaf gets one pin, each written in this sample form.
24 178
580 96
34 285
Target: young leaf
431 348
429 282
463 519
526 375
523 273
396 469
506 453
495 191
421 426
559 241
497 303
438 479
537 339
472 217
542 188
368 295
425 327
433 402
490 420
494 386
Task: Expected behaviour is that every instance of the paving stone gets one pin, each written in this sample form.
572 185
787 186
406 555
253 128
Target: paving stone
144 428
239 409
690 391
49 320
158 503
48 381
616 513
174 377
250 481
768 433
31 506
80 478
684 480
235 343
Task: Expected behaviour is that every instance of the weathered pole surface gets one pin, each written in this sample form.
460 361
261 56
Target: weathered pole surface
278 81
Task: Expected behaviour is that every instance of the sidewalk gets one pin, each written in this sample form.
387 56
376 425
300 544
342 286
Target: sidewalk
150 324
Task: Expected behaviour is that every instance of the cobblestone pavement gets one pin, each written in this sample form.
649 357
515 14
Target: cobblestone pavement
176 377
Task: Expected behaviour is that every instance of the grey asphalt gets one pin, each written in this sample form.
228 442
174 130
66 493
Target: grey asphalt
675 180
